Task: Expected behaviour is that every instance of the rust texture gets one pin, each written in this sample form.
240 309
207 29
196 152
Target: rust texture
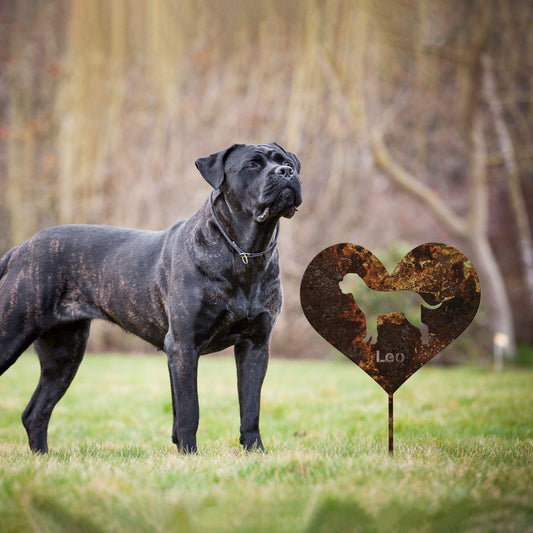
439 273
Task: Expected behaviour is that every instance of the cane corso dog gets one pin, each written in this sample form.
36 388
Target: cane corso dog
209 282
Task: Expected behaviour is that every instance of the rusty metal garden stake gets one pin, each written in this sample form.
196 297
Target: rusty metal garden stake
391 426
444 279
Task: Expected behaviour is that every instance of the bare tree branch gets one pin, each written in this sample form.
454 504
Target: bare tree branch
415 187
509 158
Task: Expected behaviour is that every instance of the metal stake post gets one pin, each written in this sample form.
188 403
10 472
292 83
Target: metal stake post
391 423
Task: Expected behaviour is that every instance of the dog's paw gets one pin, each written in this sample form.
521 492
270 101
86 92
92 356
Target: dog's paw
185 446
253 444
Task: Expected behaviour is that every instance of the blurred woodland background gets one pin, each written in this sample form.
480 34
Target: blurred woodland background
413 120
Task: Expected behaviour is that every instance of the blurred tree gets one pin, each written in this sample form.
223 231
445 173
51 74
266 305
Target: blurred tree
30 71
104 106
476 38
513 174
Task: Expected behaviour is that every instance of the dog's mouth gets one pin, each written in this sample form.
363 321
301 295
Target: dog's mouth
263 215
284 205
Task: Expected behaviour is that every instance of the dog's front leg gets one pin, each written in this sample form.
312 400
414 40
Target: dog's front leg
183 369
252 362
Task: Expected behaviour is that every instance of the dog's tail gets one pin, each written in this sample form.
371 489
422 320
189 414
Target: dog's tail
4 260
11 346
5 361
429 306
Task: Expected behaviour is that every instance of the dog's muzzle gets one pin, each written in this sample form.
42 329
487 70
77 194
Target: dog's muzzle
282 195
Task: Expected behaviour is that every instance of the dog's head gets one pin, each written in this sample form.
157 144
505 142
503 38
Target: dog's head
261 180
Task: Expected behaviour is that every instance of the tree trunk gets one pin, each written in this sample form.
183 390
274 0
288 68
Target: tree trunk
473 230
503 338
525 239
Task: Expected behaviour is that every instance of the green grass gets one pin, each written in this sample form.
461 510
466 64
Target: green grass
463 461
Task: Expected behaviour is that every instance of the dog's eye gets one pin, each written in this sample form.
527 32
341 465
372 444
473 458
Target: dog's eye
289 164
252 164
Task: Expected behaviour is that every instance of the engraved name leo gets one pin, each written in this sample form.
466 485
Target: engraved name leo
390 357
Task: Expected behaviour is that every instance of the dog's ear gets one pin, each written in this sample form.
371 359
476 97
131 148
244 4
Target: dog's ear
212 166
292 157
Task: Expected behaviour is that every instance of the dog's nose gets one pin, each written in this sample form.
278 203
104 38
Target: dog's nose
284 170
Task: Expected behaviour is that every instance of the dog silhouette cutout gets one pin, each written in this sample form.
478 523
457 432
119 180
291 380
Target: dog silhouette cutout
375 304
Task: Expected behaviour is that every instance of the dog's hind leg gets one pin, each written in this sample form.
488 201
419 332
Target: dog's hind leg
12 348
60 352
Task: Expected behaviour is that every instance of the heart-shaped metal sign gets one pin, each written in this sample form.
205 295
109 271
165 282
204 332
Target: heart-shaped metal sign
439 273
444 279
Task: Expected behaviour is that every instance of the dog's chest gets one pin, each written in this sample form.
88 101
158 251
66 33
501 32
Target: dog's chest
245 305
242 306
231 316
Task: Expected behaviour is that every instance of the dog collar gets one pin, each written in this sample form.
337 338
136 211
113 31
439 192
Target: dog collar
243 255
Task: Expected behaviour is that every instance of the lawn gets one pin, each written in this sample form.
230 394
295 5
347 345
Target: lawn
463 452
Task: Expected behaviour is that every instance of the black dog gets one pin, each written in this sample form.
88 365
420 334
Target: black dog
207 283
